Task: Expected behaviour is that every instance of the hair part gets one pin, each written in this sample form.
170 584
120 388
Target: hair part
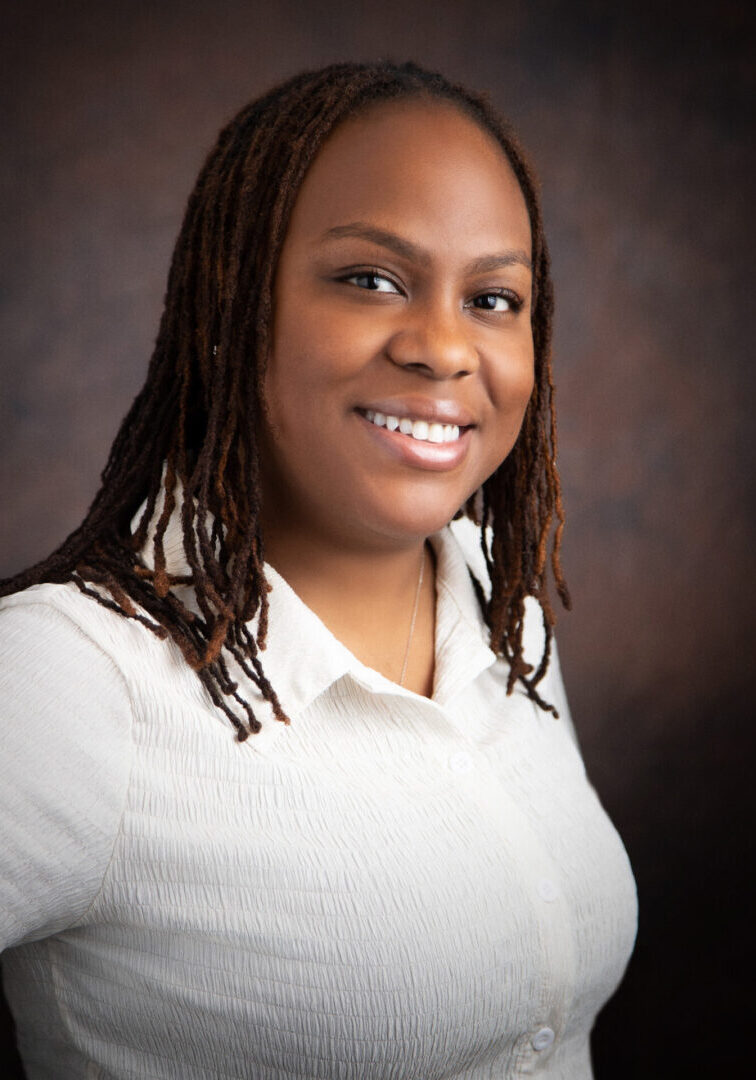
193 428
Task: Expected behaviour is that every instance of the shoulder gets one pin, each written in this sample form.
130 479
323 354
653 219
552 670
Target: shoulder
56 625
59 675
61 672
66 719
63 609
49 631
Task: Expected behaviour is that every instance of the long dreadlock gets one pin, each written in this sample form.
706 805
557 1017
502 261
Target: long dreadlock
194 426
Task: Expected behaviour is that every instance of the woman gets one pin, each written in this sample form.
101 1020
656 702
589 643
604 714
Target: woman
403 872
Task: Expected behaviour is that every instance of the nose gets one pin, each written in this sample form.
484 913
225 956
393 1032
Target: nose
436 341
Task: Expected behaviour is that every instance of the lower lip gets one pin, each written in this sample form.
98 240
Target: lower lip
437 457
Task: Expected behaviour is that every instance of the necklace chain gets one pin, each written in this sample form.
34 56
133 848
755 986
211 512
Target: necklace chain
414 617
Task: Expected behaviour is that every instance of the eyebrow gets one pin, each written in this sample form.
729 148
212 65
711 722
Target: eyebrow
413 252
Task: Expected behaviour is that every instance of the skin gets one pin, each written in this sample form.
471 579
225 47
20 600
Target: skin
346 515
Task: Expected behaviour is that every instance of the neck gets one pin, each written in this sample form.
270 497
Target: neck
342 581
366 597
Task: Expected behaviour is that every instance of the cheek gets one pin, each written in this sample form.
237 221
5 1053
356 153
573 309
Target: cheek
511 390
514 384
316 352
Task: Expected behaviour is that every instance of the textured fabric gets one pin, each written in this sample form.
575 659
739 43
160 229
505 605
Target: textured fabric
390 887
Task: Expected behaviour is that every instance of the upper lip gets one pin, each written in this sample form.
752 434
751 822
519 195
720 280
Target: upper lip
433 410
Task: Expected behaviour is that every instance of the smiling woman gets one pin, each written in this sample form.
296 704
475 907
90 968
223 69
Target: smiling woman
378 317
326 519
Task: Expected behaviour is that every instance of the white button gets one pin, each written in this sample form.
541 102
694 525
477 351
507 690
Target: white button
461 762
547 890
543 1039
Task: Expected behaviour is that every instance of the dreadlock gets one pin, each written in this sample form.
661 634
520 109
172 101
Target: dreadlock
194 426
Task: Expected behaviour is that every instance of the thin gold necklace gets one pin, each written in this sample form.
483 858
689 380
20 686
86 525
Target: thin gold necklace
414 616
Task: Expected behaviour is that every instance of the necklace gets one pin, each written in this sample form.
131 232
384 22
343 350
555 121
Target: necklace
414 616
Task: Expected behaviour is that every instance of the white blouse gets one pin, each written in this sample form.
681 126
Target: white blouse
390 888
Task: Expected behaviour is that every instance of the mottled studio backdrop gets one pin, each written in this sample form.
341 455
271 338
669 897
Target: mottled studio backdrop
637 119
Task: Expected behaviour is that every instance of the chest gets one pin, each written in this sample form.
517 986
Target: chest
390 880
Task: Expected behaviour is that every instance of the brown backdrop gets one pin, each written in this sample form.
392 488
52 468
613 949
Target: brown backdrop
637 121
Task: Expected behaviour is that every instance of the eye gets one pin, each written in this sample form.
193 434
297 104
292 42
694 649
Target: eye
372 281
497 302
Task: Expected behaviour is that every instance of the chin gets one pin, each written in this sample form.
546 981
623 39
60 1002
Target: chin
416 520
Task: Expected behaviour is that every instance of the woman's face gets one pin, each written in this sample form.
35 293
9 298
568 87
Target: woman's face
402 296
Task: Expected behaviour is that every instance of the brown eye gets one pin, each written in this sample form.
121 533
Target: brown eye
372 282
497 302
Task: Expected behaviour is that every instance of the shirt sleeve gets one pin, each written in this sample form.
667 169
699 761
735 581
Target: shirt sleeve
65 714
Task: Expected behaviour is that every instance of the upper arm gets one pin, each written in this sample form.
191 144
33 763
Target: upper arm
65 714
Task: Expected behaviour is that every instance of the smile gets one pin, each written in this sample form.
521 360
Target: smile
415 429
418 443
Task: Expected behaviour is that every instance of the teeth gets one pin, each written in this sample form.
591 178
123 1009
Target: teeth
417 429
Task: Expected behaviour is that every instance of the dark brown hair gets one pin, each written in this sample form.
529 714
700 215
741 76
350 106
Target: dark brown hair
196 420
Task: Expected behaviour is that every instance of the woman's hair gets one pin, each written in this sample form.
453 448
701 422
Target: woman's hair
197 418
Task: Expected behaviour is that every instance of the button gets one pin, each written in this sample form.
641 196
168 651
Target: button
461 762
543 1039
547 890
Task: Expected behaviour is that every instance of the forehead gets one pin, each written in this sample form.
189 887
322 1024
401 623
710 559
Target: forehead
420 166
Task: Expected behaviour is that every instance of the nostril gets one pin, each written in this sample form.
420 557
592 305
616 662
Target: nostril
432 372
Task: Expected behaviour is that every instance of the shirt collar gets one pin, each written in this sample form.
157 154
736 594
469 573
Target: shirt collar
462 652
302 658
